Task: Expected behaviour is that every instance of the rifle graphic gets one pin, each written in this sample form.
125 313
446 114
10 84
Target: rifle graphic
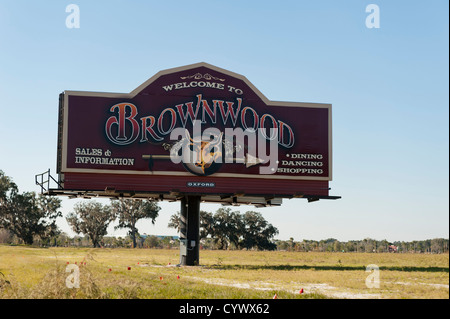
249 160
207 159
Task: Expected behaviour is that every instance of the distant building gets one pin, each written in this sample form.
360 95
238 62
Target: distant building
393 248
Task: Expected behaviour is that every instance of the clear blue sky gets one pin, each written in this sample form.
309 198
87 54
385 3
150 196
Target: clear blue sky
388 87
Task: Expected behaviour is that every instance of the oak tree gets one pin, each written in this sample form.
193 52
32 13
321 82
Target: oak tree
91 218
130 211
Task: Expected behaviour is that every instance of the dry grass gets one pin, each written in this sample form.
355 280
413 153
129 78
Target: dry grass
41 273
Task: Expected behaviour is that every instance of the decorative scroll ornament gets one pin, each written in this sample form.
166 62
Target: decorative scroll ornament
199 76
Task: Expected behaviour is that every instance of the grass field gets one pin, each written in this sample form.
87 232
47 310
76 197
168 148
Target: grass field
27 272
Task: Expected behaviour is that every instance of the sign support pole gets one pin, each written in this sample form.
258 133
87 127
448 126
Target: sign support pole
190 231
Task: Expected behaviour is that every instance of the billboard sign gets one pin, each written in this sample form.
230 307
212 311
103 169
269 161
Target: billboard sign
197 129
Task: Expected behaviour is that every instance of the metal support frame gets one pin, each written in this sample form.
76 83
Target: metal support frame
44 180
190 231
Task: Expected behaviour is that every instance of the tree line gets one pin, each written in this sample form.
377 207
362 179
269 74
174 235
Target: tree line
31 218
367 245
429 246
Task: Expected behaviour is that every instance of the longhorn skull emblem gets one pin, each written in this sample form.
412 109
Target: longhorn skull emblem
200 155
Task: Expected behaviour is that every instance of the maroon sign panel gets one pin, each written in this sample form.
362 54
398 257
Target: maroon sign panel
196 129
